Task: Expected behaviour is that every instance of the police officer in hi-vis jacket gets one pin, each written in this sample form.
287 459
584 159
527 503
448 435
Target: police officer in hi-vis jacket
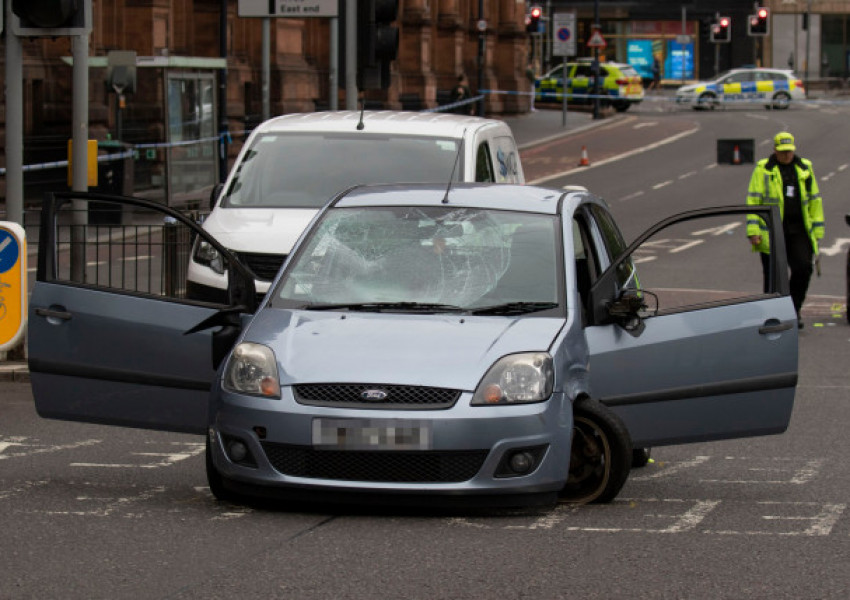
788 181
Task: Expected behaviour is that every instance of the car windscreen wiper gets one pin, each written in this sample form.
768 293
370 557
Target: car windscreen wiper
423 307
514 308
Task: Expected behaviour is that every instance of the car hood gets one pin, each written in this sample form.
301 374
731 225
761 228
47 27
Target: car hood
261 230
450 351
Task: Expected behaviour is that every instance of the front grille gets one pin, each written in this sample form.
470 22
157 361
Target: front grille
350 395
264 266
431 466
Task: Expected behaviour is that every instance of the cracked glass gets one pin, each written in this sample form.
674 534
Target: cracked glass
461 258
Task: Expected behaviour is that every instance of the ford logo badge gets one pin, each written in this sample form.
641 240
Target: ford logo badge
374 395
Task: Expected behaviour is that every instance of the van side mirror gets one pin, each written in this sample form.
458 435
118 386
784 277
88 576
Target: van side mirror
215 193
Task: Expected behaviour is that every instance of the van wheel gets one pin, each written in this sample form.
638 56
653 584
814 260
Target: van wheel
622 106
216 481
601 455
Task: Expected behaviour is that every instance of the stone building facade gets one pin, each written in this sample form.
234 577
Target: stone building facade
179 67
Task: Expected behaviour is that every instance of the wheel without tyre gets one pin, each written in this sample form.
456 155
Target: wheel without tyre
640 457
706 101
216 481
601 454
781 100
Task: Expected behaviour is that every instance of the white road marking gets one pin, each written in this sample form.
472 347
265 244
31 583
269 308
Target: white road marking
686 175
646 124
796 474
837 247
719 230
606 161
658 186
168 458
29 447
632 196
673 468
821 523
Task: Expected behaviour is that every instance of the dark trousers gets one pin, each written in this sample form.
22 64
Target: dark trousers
798 247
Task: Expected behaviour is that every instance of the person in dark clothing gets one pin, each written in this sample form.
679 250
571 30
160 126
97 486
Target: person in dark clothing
461 92
788 181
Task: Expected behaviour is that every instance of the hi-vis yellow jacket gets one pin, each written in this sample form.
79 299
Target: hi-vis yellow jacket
766 189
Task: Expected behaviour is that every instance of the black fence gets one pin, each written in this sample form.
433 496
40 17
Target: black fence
144 253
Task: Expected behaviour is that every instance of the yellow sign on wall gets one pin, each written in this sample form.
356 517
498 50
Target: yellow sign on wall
13 284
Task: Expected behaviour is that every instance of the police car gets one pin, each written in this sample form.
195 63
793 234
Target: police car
620 85
776 88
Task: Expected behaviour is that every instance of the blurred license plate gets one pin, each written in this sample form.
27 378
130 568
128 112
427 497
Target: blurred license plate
372 434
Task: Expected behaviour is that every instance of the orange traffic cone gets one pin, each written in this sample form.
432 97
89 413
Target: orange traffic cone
736 155
584 162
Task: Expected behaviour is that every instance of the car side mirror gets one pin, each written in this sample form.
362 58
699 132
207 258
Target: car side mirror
631 307
215 193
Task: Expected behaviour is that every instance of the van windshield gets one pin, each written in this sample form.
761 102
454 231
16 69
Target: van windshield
306 170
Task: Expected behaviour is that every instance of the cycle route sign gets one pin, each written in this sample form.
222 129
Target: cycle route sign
13 284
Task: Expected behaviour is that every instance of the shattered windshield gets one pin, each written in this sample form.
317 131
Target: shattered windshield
294 170
442 259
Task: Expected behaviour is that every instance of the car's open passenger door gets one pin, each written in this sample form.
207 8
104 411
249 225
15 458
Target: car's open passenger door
111 335
688 341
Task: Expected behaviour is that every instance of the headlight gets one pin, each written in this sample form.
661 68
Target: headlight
205 254
252 369
517 379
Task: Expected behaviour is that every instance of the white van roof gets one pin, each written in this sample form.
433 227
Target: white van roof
385 121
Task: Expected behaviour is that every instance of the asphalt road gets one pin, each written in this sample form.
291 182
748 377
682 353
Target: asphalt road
100 512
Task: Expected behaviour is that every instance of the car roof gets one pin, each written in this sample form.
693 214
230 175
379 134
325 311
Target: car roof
477 195
431 124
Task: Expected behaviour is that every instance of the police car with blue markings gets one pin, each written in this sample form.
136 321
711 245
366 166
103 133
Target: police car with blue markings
776 88
620 84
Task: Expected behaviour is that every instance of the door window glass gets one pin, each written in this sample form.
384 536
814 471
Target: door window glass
483 164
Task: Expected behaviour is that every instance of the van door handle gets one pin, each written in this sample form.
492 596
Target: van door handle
53 314
774 326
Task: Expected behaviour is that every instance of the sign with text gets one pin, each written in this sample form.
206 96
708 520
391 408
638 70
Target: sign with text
564 34
297 9
13 284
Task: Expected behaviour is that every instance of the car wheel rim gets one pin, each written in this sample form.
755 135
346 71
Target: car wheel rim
590 463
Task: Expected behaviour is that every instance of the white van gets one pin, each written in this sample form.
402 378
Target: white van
292 165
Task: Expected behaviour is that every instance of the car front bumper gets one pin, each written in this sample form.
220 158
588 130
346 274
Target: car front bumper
468 449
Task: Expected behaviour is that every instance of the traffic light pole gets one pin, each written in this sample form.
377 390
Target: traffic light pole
351 54
79 151
14 124
595 64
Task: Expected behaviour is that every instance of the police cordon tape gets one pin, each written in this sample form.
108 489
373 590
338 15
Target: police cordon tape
227 137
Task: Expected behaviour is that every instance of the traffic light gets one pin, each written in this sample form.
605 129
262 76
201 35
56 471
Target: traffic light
759 23
721 30
532 24
377 42
51 18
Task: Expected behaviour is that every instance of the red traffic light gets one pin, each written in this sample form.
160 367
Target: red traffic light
724 21
536 12
762 13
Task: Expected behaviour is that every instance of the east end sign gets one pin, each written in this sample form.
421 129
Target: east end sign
288 8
